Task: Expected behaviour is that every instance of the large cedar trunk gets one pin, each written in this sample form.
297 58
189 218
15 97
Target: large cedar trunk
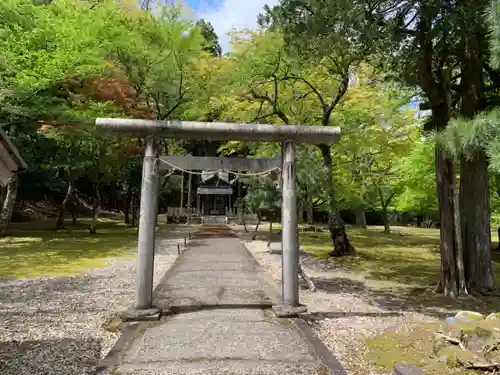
452 281
64 203
8 203
475 214
474 184
459 248
336 226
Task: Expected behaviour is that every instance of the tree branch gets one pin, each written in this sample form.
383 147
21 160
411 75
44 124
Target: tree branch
314 89
180 91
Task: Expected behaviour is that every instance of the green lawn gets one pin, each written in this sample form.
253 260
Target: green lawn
35 248
408 255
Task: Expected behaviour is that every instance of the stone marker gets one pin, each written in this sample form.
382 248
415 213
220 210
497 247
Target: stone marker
403 369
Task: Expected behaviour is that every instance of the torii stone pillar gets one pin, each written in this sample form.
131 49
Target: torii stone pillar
288 135
147 228
290 247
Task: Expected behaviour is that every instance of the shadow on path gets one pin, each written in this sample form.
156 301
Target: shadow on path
174 310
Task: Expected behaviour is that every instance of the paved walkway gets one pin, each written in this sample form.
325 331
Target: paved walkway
221 322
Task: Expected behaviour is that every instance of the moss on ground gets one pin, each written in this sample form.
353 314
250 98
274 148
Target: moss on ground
420 347
407 256
35 248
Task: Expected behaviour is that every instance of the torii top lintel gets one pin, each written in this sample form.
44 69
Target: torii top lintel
219 131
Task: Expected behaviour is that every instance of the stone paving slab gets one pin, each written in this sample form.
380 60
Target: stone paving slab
233 280
224 367
244 314
225 332
216 267
177 338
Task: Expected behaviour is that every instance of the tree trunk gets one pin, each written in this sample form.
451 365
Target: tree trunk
96 210
385 218
310 214
241 215
270 233
134 208
361 218
384 203
336 226
3 192
64 203
459 249
498 232
8 204
74 217
476 227
307 279
450 283
300 211
128 202
474 184
254 235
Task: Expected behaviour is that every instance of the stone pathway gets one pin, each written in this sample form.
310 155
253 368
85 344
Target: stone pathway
221 322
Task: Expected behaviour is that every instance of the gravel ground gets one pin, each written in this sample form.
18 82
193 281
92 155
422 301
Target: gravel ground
52 325
340 309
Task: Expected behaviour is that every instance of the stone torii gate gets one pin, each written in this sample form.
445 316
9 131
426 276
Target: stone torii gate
151 130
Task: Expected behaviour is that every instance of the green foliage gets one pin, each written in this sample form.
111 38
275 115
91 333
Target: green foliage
263 196
493 19
311 178
157 54
377 135
69 61
464 137
212 45
255 78
42 46
317 29
419 179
